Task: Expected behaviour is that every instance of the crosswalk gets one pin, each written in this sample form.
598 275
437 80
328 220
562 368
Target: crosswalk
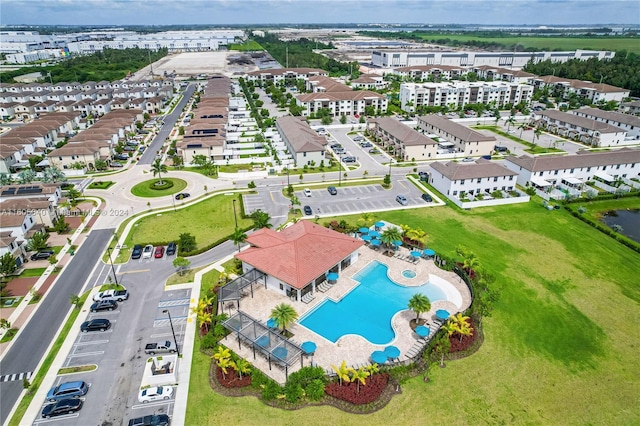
166 323
16 376
173 302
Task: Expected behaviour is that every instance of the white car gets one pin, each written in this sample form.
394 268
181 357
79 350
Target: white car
147 251
155 394
307 192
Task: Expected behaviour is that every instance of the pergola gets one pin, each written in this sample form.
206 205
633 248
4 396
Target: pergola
234 290
264 340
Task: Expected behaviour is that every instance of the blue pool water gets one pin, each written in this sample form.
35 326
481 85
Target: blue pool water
408 274
368 309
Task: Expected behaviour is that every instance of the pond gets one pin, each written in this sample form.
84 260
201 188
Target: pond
629 220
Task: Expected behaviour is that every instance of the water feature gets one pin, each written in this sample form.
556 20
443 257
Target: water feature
628 219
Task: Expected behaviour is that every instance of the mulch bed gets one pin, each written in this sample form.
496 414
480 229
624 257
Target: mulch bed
20 286
413 323
458 345
368 393
231 379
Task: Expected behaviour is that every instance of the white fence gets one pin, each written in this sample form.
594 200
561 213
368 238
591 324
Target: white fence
493 202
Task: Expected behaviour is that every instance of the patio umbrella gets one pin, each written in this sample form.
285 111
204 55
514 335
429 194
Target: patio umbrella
397 243
379 224
332 276
366 238
392 352
271 323
442 314
379 357
422 331
376 242
428 252
308 347
263 341
374 234
280 353
363 230
416 253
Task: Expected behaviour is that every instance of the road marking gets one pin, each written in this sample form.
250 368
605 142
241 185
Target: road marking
97 342
401 184
55 419
174 302
86 354
167 402
165 322
16 376
136 271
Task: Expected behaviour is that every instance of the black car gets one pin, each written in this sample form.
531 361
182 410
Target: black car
123 157
171 248
332 190
424 176
64 406
104 305
156 420
137 252
182 195
427 197
95 324
42 255
130 148
308 211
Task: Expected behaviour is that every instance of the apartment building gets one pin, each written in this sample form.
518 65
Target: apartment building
430 72
592 92
284 75
401 140
303 143
459 93
585 130
458 137
491 73
368 82
480 177
342 103
627 122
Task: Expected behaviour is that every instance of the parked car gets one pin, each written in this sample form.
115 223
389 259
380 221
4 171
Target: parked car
467 159
104 305
155 394
427 197
171 248
159 252
64 406
42 255
499 148
402 199
308 211
349 159
147 251
159 347
307 192
68 390
182 195
117 295
137 252
332 190
335 146
129 148
154 420
374 151
115 164
123 157
424 176
339 151
95 325
366 145
358 138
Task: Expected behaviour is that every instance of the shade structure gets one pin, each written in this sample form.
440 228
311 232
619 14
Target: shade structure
366 237
280 353
397 243
364 230
376 242
308 347
428 252
392 352
422 331
271 323
442 314
263 341
379 357
416 253
379 224
374 234
332 276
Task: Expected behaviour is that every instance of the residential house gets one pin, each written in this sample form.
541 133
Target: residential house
304 144
456 180
401 140
458 137
627 122
585 89
283 75
430 72
586 130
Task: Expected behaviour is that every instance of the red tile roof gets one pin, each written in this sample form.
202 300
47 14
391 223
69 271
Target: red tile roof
298 254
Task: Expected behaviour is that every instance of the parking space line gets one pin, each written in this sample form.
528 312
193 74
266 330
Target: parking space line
169 403
68 416
96 342
87 354
135 272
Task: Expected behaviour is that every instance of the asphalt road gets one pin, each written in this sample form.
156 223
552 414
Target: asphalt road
149 154
30 346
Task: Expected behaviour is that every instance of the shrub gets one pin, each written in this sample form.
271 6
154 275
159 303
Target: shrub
293 392
209 341
166 184
271 391
315 390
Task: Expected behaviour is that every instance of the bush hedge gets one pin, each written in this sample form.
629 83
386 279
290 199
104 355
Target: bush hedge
605 229
166 184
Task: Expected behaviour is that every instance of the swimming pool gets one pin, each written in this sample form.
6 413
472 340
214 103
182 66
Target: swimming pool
367 310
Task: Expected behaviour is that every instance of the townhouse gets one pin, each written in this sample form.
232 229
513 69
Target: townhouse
451 135
585 130
587 90
457 94
430 72
491 73
284 75
628 123
369 82
456 180
304 144
402 141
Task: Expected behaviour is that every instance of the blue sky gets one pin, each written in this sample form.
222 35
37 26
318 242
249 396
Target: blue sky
162 12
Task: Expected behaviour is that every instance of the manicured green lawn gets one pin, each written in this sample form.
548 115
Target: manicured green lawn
560 348
249 45
533 149
33 272
99 184
144 189
208 221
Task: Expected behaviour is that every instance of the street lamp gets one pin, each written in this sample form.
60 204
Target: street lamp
340 170
288 184
235 218
175 341
113 270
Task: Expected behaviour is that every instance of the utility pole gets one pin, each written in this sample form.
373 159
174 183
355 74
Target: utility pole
113 270
175 341
287 57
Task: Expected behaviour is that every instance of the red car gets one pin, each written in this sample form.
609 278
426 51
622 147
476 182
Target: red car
159 252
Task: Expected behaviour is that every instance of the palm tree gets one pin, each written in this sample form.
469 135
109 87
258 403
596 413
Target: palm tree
26 176
521 127
450 327
390 235
461 324
223 359
509 122
284 315
536 135
372 369
5 179
342 372
443 345
359 376
367 219
203 313
242 366
158 168
417 235
419 303
260 219
73 195
238 237
470 263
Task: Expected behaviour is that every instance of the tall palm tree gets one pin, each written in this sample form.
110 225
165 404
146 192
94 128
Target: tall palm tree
390 235
242 366
260 219
284 315
342 372
157 168
238 237
510 122
419 303
359 376
536 135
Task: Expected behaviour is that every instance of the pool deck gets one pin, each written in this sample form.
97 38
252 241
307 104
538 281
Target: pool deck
353 349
